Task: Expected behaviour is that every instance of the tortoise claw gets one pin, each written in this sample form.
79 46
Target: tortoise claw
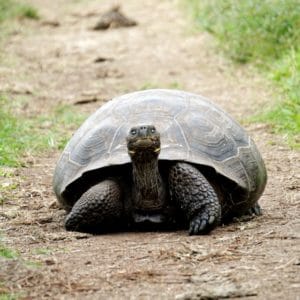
255 210
202 224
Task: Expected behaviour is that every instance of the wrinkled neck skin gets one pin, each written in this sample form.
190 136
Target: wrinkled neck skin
148 187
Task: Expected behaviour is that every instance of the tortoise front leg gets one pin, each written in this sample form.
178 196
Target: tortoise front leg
99 209
195 196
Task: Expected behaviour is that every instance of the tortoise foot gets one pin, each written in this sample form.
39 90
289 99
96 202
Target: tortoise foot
203 223
98 210
196 197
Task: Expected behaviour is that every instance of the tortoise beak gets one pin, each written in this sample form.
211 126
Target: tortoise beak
144 142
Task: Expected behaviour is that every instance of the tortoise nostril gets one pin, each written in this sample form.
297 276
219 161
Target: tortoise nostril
143 130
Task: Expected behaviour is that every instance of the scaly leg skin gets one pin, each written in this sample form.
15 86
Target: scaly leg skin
97 210
196 197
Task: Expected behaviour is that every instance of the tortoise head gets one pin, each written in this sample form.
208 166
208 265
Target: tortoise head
143 144
143 140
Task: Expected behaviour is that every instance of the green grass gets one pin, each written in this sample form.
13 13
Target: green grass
250 30
21 137
267 35
11 11
8 296
16 9
7 253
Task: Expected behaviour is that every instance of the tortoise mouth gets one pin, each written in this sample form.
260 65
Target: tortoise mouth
148 144
144 145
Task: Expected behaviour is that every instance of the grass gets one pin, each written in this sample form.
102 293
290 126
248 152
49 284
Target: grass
7 253
6 190
10 9
21 137
7 185
8 296
267 35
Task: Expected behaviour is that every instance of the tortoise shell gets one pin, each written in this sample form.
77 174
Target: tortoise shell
192 129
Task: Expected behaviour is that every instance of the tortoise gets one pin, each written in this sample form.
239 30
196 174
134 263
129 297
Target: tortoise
158 159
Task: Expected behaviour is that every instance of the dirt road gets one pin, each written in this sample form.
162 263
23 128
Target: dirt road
53 62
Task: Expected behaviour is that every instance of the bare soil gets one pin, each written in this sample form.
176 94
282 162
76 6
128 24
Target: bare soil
52 61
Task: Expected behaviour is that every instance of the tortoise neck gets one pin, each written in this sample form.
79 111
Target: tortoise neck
148 188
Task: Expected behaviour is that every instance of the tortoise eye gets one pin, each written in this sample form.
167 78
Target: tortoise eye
153 130
133 131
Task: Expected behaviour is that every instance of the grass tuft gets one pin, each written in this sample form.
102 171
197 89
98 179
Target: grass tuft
22 136
7 253
7 296
10 9
29 12
266 34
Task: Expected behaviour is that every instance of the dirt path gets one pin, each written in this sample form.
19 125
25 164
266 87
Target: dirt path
55 64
